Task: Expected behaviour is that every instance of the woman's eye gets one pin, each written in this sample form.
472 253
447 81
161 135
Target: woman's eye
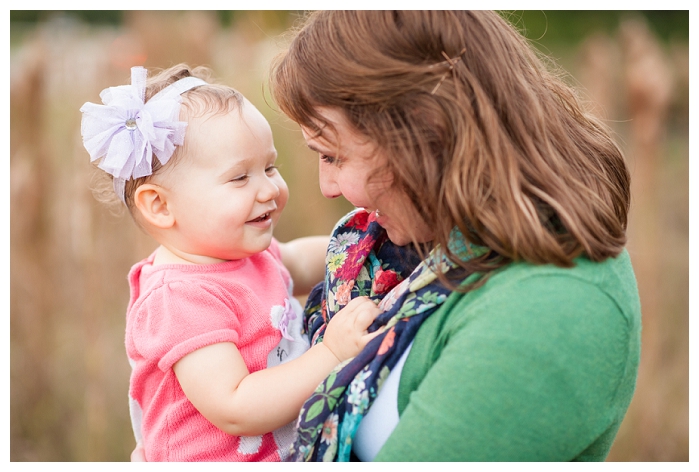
327 159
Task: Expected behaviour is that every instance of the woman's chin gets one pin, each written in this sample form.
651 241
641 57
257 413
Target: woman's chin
401 236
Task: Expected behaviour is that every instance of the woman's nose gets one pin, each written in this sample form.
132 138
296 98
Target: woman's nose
327 178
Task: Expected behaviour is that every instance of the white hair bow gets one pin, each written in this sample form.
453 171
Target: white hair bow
126 131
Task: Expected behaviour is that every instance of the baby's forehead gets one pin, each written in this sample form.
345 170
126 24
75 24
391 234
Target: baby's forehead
231 126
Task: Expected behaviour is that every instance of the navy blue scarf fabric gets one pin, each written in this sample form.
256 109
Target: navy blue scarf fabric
361 261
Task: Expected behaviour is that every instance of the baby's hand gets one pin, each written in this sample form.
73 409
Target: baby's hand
346 333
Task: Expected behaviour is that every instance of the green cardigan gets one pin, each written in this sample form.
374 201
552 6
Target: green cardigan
539 364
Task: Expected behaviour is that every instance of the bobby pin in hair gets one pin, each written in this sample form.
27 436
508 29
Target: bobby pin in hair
452 62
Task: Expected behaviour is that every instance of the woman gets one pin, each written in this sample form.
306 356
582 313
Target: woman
517 337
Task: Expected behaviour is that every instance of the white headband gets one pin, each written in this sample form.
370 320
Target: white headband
126 131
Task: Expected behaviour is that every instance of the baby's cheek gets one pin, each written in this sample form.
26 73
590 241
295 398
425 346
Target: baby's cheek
283 196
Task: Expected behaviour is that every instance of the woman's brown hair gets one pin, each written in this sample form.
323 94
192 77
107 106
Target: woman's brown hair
479 133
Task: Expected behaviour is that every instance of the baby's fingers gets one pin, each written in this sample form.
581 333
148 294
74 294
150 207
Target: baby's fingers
355 303
366 313
367 338
346 331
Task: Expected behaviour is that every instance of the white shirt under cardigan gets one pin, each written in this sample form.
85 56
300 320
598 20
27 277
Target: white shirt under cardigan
382 417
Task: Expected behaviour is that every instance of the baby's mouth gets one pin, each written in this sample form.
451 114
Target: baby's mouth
261 218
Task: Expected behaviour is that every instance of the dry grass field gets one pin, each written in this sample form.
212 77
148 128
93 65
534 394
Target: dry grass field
69 255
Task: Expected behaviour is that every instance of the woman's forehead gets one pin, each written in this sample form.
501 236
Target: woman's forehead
334 129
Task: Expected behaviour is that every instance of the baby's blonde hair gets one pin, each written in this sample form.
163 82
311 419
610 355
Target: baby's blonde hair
210 98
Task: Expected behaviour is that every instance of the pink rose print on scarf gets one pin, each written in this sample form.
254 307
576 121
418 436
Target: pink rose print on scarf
361 220
384 280
356 254
343 292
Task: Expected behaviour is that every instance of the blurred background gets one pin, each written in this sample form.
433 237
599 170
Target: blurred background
70 255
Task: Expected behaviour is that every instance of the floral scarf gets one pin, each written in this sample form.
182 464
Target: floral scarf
361 261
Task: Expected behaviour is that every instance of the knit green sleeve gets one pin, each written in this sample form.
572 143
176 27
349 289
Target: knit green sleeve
533 370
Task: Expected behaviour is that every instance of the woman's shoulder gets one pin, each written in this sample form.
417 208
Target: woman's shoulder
591 310
614 278
553 341
602 295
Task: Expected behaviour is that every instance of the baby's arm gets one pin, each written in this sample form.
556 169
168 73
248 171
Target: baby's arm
305 260
218 383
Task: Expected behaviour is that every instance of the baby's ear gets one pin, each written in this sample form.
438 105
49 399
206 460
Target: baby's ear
151 202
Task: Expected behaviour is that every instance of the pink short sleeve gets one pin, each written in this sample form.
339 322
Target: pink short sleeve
179 318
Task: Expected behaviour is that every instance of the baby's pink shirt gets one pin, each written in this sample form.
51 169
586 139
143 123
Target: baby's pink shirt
176 309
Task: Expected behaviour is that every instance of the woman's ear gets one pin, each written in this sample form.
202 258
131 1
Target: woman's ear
151 201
